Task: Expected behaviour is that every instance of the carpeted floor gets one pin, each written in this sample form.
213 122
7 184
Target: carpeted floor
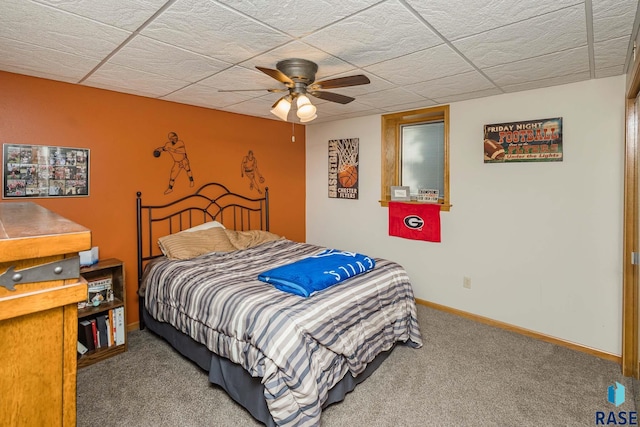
467 374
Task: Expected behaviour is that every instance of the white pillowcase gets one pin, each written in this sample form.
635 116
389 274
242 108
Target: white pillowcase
205 226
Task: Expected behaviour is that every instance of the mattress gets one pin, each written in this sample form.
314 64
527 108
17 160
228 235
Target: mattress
299 348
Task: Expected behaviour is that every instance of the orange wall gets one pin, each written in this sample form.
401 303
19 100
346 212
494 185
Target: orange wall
122 131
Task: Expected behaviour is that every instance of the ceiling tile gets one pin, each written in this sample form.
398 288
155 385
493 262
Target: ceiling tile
44 26
206 96
610 52
410 106
58 76
151 56
424 65
43 62
537 36
389 98
553 81
241 78
254 107
123 79
547 66
334 108
211 29
469 95
609 72
460 18
126 14
451 85
382 32
314 15
324 118
613 18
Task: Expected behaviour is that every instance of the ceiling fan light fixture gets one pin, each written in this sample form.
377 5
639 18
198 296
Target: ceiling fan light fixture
299 78
306 110
281 109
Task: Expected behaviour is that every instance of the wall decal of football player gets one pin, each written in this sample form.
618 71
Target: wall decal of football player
249 167
178 152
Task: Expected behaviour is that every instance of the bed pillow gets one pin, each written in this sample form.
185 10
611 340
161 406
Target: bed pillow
186 245
250 238
204 226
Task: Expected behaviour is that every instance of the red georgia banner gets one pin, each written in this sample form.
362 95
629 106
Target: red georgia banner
417 221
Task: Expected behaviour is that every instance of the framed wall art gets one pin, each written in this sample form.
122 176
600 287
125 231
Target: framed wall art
343 168
37 171
526 141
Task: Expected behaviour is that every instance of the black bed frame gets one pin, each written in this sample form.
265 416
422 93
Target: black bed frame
210 202
215 202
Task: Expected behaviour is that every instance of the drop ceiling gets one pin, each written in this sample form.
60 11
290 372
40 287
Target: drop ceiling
417 53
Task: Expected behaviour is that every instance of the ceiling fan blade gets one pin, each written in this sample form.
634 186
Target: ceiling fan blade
276 74
333 97
342 82
253 90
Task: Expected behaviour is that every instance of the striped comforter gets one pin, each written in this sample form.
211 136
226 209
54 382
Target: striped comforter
300 347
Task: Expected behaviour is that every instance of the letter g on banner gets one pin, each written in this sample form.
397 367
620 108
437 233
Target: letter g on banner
414 222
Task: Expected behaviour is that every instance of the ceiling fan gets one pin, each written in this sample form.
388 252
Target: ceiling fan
298 76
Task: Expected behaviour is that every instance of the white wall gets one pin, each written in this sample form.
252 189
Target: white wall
541 242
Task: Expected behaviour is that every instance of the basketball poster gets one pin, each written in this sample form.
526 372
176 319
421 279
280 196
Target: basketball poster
343 168
527 141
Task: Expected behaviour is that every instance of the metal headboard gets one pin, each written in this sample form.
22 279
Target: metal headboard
211 202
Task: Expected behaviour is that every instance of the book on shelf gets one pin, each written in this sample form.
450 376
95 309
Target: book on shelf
94 333
82 349
101 321
119 325
111 327
85 334
107 323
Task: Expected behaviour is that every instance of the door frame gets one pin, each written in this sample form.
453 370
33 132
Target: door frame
631 275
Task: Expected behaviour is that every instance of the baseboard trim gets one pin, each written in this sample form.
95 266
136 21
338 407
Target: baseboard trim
529 333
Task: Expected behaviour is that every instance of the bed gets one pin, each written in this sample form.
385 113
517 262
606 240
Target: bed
282 356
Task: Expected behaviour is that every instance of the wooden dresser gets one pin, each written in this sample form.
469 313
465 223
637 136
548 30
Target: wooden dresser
38 318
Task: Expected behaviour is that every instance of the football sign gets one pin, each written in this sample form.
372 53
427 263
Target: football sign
527 141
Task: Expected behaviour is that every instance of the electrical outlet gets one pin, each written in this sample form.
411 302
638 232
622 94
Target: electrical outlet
466 282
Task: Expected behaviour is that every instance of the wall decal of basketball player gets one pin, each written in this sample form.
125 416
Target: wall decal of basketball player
178 152
249 167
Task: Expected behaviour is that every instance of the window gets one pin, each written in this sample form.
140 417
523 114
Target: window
422 156
415 152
